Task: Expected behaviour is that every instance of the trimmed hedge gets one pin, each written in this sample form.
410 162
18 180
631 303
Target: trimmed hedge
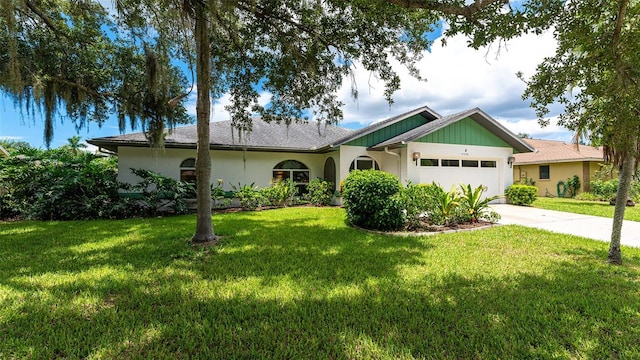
521 194
371 201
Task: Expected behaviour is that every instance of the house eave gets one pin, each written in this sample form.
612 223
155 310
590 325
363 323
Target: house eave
557 161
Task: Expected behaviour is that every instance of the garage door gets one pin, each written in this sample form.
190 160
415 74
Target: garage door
451 171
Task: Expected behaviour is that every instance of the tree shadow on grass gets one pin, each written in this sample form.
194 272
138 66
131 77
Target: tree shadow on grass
324 291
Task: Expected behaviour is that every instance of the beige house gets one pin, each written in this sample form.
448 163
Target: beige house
555 161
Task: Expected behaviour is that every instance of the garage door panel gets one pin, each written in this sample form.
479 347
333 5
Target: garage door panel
450 176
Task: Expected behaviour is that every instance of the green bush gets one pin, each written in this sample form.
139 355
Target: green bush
445 210
521 194
60 185
418 201
320 192
472 202
248 196
573 186
161 194
367 197
280 193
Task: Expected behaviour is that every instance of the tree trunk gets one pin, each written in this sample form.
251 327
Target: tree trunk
204 226
624 183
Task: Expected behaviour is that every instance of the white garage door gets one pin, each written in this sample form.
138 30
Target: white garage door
453 172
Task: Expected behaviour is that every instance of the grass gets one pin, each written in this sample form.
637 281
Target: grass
596 208
298 283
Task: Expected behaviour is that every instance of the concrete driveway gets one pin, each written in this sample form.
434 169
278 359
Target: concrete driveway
592 227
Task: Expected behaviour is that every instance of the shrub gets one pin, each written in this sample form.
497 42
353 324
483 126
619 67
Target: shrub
604 190
472 202
521 194
445 205
59 185
573 186
367 199
320 192
161 194
418 201
280 193
248 196
587 196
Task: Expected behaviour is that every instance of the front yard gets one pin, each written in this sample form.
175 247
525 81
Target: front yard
596 208
299 283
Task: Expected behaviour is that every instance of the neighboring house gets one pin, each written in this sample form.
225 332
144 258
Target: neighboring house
419 146
555 161
4 153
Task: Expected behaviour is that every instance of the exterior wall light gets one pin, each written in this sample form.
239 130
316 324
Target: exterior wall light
511 160
416 157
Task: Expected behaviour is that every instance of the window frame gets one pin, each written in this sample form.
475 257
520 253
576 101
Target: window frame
548 172
188 171
354 163
296 174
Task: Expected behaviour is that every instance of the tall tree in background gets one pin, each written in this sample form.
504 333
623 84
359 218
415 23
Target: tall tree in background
298 51
68 57
595 74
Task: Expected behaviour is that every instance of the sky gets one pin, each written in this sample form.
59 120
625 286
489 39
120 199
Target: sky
457 78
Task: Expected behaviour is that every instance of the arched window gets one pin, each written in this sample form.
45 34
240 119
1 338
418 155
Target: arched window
363 163
188 171
330 172
294 170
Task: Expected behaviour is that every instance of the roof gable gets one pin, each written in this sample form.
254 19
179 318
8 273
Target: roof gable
464 132
469 127
389 131
389 128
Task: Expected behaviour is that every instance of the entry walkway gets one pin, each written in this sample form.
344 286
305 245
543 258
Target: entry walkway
593 227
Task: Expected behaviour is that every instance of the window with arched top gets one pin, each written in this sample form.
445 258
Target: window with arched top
294 170
188 170
363 163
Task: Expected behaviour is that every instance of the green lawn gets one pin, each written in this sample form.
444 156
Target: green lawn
596 208
298 283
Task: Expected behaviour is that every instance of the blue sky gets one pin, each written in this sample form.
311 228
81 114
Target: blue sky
458 78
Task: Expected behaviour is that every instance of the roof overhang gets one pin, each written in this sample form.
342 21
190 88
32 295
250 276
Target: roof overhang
475 114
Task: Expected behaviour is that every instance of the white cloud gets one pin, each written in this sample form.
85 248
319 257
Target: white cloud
460 78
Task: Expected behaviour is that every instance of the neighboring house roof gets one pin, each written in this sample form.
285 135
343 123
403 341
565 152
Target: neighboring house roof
551 151
475 114
4 153
302 136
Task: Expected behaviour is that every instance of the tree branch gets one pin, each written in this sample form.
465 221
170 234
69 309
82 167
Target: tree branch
42 16
466 11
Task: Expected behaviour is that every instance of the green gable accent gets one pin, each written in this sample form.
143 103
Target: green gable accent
464 132
389 132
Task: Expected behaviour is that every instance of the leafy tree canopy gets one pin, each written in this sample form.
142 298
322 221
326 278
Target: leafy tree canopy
70 54
75 56
595 74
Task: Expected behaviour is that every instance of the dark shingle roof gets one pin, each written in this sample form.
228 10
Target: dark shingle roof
476 114
298 136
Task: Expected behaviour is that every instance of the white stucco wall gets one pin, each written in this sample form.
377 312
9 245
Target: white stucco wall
234 167
239 167
495 179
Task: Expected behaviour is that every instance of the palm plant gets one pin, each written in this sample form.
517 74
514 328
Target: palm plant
471 199
444 204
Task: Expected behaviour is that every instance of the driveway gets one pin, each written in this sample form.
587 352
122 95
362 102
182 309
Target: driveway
592 227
